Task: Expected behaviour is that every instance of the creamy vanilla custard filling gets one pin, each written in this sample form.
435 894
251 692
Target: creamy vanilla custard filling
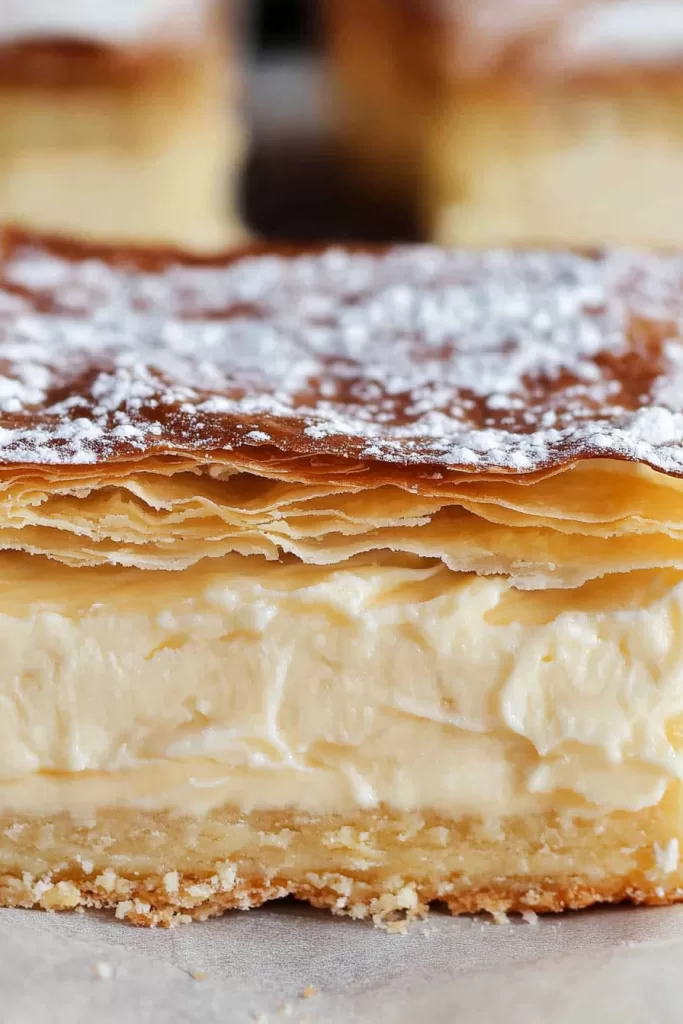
383 682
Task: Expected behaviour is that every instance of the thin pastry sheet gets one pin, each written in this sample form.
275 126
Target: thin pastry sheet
506 411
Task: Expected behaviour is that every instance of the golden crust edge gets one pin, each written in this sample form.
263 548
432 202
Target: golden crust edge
154 901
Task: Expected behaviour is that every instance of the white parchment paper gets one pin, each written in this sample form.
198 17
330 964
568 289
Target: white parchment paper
613 965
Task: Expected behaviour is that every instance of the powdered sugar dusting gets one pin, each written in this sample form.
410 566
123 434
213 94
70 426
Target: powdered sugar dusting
497 360
559 37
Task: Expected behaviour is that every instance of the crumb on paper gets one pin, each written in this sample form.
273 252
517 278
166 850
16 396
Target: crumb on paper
102 970
199 975
666 858
530 916
123 908
309 991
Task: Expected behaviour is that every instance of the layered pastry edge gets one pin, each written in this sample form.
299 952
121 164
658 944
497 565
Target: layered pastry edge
139 106
514 123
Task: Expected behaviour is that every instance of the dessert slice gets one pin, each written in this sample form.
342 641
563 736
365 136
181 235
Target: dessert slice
119 122
507 120
353 575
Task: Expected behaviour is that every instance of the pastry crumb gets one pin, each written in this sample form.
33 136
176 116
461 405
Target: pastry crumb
102 970
397 927
124 908
107 880
87 865
170 881
62 896
309 991
199 975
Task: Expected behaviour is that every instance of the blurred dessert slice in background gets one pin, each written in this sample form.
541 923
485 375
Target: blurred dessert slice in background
516 120
118 120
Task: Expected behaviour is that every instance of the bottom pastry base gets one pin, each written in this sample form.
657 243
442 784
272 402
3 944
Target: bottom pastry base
162 869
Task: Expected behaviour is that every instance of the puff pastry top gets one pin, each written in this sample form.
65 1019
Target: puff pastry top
548 38
415 359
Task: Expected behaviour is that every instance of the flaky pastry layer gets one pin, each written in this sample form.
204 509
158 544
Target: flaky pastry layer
586 520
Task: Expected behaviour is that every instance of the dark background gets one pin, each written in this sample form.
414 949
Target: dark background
297 185
283 25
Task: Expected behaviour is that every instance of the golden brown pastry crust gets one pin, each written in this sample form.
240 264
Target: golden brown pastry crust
369 866
398 365
56 65
441 48
146 902
66 63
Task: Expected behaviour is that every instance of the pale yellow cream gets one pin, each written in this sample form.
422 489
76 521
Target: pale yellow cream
386 681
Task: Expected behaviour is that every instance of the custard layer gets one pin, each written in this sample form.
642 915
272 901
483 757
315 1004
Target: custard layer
508 165
391 682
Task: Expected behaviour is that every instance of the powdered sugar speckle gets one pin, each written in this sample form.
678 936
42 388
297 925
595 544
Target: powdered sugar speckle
497 360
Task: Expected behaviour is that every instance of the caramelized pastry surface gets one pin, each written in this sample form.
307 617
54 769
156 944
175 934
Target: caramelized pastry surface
401 363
